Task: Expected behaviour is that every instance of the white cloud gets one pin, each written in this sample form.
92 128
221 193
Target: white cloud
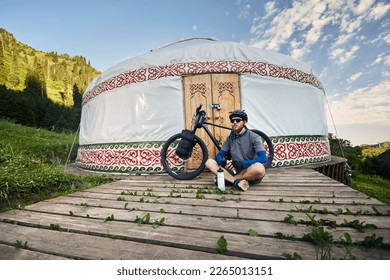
349 25
340 56
270 8
382 57
387 60
284 24
386 38
342 39
314 33
299 49
355 76
363 6
378 11
367 105
305 20
194 28
378 60
336 53
298 53
256 27
295 44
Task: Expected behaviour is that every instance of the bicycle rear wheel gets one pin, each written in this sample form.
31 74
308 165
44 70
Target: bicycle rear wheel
183 169
269 147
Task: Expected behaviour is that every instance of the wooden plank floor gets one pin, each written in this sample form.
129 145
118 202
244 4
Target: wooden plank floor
101 222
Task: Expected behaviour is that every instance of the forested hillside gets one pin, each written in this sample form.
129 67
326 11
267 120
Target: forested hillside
50 75
41 89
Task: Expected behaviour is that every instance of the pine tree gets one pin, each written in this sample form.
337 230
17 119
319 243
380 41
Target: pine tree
40 72
35 83
77 97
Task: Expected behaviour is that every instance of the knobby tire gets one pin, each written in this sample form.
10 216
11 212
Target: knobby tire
171 161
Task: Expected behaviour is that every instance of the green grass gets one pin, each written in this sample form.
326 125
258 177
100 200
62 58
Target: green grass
372 185
32 165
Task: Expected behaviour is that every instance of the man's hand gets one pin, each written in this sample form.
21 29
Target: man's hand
230 166
237 165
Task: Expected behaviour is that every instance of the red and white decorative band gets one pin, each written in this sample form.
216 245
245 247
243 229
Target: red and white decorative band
297 150
192 68
145 157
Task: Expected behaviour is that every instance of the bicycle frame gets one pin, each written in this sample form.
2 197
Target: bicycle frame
201 123
216 143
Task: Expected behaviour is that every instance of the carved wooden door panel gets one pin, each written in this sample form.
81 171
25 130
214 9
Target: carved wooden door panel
209 89
197 90
226 93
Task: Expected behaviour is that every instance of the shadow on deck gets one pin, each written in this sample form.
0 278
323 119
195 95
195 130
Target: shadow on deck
157 217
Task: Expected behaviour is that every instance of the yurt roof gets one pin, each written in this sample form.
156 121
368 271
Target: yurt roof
200 49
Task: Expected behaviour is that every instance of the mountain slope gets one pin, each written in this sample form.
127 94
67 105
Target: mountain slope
49 74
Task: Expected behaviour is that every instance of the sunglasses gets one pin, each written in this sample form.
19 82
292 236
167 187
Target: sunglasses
235 120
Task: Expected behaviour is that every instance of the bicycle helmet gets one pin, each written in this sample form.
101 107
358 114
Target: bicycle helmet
240 114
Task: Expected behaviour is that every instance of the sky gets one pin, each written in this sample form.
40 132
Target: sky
347 42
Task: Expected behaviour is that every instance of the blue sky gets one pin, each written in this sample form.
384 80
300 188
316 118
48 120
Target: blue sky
346 42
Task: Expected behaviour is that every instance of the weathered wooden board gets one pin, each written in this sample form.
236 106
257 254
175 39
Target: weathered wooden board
9 252
65 207
101 222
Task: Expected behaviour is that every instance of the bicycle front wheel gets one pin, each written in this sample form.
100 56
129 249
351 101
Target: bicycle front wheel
183 169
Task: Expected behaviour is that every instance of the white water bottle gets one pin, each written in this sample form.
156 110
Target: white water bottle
220 179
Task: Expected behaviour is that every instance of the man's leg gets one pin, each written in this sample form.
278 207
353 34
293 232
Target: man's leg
213 166
254 172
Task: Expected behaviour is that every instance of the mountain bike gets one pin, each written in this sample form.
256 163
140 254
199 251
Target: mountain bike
175 161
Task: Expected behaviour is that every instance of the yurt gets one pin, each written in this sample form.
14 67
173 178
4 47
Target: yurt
133 107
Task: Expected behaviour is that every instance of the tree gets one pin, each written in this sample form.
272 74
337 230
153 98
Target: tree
36 81
379 165
14 77
77 97
33 85
343 148
40 72
3 66
18 106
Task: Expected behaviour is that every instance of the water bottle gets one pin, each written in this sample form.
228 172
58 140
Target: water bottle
220 179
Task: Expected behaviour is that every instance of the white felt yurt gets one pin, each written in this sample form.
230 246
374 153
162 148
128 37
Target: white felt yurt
133 107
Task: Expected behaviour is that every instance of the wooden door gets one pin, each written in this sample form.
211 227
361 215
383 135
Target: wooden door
226 93
209 89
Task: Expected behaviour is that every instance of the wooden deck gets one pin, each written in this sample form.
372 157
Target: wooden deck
111 221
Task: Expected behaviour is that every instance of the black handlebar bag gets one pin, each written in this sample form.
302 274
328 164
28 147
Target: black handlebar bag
186 144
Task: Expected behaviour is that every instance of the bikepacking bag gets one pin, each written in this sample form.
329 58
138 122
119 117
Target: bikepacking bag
186 144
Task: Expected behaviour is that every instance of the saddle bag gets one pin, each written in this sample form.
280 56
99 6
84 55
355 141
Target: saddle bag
186 144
